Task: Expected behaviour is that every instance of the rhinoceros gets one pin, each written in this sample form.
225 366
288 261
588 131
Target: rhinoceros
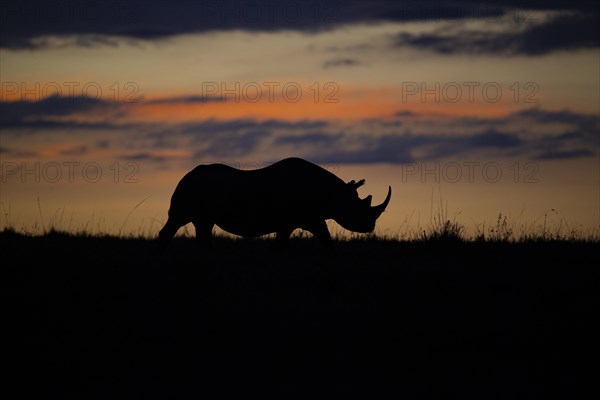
286 195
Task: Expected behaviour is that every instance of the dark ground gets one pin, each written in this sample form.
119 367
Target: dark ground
105 318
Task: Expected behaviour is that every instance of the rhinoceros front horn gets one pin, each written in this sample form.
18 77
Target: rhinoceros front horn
381 208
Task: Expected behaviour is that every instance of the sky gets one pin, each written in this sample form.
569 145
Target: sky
469 111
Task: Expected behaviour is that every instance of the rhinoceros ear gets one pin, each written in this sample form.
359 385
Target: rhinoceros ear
355 184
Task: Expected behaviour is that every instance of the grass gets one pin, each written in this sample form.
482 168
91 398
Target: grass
441 228
429 313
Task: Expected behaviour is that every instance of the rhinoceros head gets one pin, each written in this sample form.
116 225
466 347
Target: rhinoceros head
356 214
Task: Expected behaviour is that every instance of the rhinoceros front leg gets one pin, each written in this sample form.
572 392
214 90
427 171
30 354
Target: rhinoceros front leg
282 237
319 229
203 233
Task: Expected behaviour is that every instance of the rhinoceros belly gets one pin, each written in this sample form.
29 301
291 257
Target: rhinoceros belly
249 226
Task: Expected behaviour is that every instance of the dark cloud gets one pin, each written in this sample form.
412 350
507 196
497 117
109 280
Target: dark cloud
37 126
407 138
20 153
405 113
565 154
384 149
43 113
244 124
561 116
341 62
493 138
102 144
53 105
143 156
523 133
563 32
24 22
325 139
233 144
409 147
205 131
187 100
527 132
75 151
583 125
157 19
576 143
78 40
392 148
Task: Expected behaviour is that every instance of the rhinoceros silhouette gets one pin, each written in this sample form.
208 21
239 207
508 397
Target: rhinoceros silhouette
289 194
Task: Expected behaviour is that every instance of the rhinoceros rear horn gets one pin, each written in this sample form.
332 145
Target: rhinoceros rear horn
381 208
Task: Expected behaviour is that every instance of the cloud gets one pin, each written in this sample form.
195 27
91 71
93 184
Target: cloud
27 24
564 154
206 131
102 144
53 105
44 113
341 62
143 156
187 100
532 133
561 116
225 140
384 149
572 31
318 138
398 148
27 20
495 139
12 153
75 151
409 147
233 144
405 113
432 137
72 40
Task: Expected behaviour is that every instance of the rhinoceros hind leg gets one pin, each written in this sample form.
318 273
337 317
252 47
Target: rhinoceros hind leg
282 237
168 231
203 233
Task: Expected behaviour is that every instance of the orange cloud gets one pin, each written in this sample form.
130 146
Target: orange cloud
335 103
348 105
